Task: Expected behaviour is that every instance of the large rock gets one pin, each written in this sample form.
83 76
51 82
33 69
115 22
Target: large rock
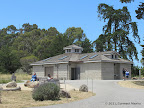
12 89
64 94
11 84
83 88
31 84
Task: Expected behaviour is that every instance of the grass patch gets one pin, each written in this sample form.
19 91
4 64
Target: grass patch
5 78
20 99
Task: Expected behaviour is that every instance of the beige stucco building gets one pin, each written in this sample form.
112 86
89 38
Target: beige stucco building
75 65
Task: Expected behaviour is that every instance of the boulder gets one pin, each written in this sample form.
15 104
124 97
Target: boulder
83 88
134 78
12 89
11 84
31 84
27 83
64 94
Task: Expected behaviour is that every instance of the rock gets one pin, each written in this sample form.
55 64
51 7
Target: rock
12 89
13 77
83 88
134 78
11 84
27 83
31 84
64 94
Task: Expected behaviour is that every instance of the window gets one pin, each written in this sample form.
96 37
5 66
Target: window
68 50
76 50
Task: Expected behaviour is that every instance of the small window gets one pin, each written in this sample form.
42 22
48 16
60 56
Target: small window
68 50
76 50
112 56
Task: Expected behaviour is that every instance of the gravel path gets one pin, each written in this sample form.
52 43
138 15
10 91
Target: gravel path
108 95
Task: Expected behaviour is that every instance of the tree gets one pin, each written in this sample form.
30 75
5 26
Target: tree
87 46
26 61
74 35
100 43
27 27
126 1
9 62
117 30
28 41
140 11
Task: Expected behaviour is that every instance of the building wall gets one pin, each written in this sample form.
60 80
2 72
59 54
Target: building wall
62 71
126 66
39 70
90 70
107 71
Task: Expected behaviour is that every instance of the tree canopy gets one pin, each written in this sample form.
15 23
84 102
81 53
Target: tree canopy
18 47
117 32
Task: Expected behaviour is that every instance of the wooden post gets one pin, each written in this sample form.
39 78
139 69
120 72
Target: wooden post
139 74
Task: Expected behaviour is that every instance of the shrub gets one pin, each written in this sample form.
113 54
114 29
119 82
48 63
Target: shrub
47 91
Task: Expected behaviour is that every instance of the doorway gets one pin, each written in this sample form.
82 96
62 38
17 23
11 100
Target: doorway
116 71
75 73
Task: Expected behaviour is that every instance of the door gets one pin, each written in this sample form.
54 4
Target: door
75 73
116 71
49 70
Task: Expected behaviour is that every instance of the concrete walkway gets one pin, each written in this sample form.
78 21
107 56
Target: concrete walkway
108 95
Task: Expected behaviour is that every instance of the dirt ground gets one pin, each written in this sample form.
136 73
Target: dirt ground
132 84
20 99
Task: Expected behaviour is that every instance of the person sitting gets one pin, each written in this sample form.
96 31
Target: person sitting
34 77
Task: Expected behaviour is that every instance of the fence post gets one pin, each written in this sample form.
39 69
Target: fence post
92 85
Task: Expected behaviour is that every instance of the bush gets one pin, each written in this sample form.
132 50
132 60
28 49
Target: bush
47 91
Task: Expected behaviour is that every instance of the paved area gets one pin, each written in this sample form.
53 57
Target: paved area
108 95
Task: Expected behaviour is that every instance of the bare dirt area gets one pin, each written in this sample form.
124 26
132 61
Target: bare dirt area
132 84
20 99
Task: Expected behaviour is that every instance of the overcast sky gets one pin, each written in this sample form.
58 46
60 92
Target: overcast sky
63 14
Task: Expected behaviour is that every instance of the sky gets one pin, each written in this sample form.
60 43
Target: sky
63 14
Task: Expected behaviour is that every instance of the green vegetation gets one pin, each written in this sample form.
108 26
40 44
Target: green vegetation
47 91
20 47
5 78
117 32
29 43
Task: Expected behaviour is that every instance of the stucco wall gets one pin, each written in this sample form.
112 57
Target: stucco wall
39 70
107 71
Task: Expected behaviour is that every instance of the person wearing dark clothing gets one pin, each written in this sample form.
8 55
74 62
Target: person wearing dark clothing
124 73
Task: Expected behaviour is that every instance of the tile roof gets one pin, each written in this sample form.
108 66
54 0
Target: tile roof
85 57
72 47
